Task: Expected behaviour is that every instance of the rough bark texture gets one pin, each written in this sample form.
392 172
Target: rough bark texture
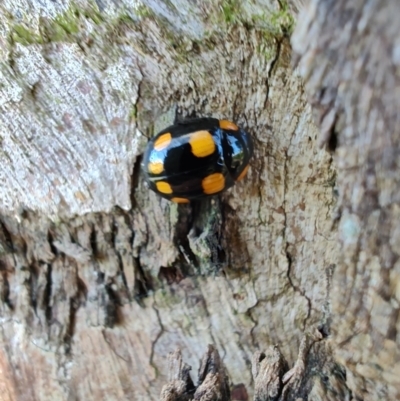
315 376
100 280
69 287
354 84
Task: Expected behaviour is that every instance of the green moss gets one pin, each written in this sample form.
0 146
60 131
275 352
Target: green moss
231 11
279 22
143 11
69 21
94 14
54 33
64 28
282 21
123 19
267 46
134 112
21 34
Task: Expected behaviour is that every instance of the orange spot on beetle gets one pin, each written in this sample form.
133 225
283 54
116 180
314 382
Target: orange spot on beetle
213 183
202 143
180 200
164 187
163 141
225 124
156 167
243 173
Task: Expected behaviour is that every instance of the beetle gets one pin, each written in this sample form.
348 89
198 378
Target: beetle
196 158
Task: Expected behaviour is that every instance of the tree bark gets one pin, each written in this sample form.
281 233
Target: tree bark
353 82
100 280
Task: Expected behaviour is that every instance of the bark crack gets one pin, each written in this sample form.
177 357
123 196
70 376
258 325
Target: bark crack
5 296
289 258
47 295
158 336
255 321
298 289
275 60
142 283
112 348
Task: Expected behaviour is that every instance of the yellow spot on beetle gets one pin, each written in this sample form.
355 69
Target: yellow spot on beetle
156 167
213 183
243 173
202 143
163 141
180 200
164 187
225 124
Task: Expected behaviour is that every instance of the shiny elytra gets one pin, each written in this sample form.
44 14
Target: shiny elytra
196 158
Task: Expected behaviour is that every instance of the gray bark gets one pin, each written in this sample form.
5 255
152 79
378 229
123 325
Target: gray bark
100 280
353 82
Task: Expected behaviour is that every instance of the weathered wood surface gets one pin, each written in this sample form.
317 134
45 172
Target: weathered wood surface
314 376
353 80
100 279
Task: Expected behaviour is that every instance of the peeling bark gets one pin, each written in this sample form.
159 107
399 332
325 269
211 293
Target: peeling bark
315 376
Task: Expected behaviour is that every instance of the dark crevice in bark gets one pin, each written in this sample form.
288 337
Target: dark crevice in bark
208 219
93 241
135 177
324 329
332 141
82 290
113 233
274 62
234 253
123 276
181 241
50 239
33 285
100 277
392 330
113 302
7 237
143 282
69 332
47 295
172 274
5 295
